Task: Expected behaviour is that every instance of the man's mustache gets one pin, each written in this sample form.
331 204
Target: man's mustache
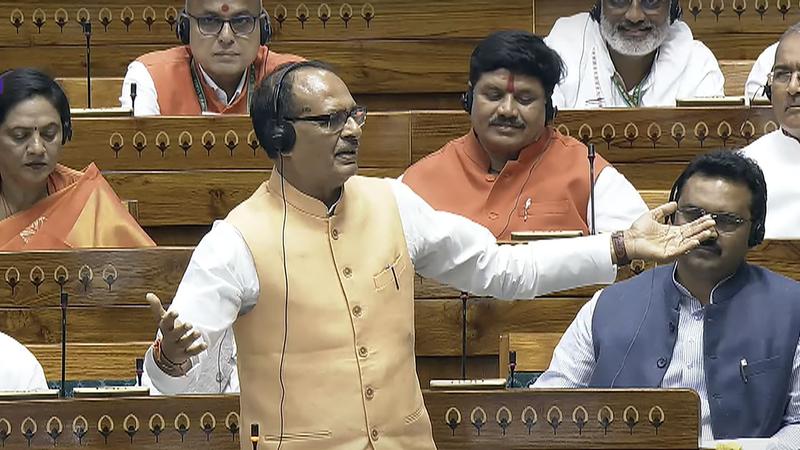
506 122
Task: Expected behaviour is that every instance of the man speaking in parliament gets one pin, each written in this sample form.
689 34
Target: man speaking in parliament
778 153
710 322
632 53
315 274
513 171
223 58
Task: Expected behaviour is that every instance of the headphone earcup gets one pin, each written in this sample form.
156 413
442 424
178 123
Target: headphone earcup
550 111
756 235
266 28
594 13
182 29
768 91
675 11
283 137
66 131
466 101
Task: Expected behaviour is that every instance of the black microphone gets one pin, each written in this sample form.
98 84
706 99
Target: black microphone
464 297
512 365
254 435
592 154
87 31
62 391
133 98
139 371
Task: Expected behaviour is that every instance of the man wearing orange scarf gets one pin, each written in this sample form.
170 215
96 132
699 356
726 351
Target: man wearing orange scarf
512 171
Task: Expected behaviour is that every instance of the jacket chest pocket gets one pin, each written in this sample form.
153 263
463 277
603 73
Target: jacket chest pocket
390 276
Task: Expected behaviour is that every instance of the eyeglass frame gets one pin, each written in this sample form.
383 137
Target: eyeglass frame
224 22
321 118
736 221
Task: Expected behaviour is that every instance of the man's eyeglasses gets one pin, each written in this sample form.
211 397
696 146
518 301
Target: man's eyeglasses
783 76
726 222
335 122
212 25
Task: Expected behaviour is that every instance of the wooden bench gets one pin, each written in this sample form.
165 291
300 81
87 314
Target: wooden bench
109 323
187 172
532 419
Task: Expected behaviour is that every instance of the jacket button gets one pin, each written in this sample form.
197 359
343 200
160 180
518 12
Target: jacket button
335 234
369 393
363 352
357 311
661 363
347 272
375 434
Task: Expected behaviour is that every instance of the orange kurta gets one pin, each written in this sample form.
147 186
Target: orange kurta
545 189
172 76
82 211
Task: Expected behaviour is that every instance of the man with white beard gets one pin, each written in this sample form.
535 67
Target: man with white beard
631 53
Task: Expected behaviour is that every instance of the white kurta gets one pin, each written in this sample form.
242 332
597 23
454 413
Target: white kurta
683 68
754 87
778 156
20 370
221 282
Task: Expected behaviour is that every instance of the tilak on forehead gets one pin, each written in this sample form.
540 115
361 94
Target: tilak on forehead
510 83
224 8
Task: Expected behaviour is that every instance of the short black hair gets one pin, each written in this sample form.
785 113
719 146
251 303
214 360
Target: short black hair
519 52
731 166
262 112
18 85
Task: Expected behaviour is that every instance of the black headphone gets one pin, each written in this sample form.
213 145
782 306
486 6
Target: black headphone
182 30
675 11
757 229
550 110
768 91
282 135
66 119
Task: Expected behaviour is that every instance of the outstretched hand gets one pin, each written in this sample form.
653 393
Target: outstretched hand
650 239
179 340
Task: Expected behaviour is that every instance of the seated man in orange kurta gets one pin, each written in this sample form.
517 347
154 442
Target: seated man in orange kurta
223 57
44 205
513 171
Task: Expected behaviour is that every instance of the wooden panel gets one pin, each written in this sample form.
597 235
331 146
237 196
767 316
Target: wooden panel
375 66
293 20
728 34
557 414
107 361
87 274
208 420
654 198
106 92
195 197
533 351
226 142
736 73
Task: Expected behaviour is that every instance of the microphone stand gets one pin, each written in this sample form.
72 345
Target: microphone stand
254 435
592 154
133 98
87 31
512 365
139 371
464 296
62 392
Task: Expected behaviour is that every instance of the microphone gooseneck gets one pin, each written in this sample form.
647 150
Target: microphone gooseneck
62 391
591 155
87 31
133 98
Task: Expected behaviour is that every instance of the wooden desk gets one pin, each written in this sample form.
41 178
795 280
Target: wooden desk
547 419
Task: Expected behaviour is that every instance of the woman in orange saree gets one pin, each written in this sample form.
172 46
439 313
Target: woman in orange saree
44 205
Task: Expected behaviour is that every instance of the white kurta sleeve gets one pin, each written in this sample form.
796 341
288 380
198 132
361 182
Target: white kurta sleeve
617 202
754 86
146 95
456 251
573 359
704 77
220 284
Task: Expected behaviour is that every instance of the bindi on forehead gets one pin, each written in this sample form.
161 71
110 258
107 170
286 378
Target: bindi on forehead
510 83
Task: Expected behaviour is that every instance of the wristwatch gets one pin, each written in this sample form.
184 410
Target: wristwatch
618 242
168 366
